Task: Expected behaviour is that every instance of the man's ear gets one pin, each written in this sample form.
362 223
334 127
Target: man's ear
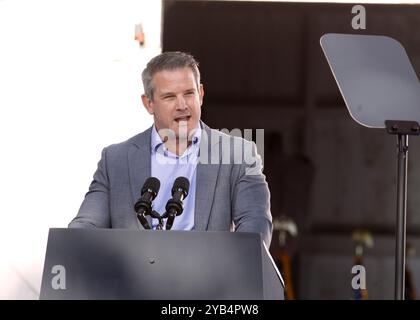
147 103
201 93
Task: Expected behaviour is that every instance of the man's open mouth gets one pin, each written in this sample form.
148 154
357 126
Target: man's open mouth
184 118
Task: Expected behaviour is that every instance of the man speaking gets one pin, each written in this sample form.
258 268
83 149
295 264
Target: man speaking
224 193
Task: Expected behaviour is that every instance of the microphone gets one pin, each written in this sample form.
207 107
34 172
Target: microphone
143 206
174 206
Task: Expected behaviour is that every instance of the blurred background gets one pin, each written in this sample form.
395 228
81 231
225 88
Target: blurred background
70 84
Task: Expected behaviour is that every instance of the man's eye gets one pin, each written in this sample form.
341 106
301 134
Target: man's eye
168 97
189 93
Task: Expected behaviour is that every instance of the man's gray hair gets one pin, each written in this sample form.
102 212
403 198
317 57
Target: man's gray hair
168 61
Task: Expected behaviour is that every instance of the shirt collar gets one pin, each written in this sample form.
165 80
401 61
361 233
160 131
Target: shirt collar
156 140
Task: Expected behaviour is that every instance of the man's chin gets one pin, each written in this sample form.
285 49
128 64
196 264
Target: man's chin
185 127
182 123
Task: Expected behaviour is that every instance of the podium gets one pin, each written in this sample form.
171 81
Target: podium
161 265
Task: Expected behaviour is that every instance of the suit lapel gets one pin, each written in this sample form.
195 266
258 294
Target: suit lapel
206 181
139 166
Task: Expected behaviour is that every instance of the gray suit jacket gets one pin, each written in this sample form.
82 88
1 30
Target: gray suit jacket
227 198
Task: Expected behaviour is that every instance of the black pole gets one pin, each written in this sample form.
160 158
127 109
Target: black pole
402 145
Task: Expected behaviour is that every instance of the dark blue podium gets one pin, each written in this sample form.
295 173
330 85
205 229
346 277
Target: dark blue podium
148 264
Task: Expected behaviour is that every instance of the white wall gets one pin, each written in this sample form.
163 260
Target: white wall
70 84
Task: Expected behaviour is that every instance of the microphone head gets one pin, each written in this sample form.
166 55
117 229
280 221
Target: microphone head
181 184
152 185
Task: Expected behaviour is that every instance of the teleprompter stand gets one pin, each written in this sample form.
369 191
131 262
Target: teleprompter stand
381 90
402 129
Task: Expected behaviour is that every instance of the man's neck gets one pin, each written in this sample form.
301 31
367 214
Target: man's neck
177 146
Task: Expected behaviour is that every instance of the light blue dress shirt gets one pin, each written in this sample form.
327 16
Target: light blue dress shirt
167 166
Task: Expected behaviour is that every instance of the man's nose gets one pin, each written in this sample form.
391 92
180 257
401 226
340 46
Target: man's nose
181 104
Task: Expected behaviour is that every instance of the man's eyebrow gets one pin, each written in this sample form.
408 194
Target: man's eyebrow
169 93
